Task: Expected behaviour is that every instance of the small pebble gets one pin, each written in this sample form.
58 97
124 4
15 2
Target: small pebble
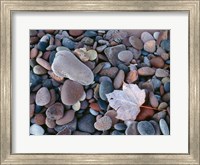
132 76
103 124
145 128
36 130
68 117
105 88
86 123
164 127
119 79
156 127
162 106
146 71
120 126
132 128
125 56
161 73
42 96
55 111
76 106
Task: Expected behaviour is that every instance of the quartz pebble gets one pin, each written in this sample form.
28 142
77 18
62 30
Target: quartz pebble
36 130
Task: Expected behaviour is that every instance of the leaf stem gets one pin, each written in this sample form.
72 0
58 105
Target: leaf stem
143 106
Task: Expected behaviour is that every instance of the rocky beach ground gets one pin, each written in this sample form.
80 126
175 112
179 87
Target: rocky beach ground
99 82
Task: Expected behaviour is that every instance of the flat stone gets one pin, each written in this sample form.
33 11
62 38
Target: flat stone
136 42
55 111
86 123
36 130
157 62
67 65
103 124
71 92
119 79
105 88
68 117
42 96
150 46
146 36
146 71
145 128
112 53
125 56
164 127
43 63
161 73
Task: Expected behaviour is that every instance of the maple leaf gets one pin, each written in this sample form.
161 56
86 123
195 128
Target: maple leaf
127 101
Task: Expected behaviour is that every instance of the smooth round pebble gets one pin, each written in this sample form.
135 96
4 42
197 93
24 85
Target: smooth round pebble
162 106
167 86
132 128
115 132
119 79
153 100
39 70
164 127
39 119
146 36
150 46
68 117
50 123
136 42
157 62
165 44
36 130
105 88
75 33
146 71
145 128
125 56
76 106
161 73
68 43
93 112
42 96
156 127
86 123
112 114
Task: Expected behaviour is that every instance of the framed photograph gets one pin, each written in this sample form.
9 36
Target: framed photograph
100 82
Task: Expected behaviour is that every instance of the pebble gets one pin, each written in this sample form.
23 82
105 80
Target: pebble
36 130
125 56
146 61
164 127
165 44
39 119
112 114
98 68
155 35
86 123
112 53
67 65
150 46
95 106
103 124
119 79
43 63
50 123
106 65
39 70
146 36
68 43
105 88
161 73
76 106
132 129
145 128
165 80
42 96
32 108
146 71
153 100
38 108
145 114
92 55
167 86
93 112
68 117
110 72
156 127
101 48
159 51
51 57
84 105
90 33
34 40
71 92
120 126
89 94
157 62
136 42
162 106
132 76
42 46
159 115
55 111
75 33
33 53
60 48
162 36
81 54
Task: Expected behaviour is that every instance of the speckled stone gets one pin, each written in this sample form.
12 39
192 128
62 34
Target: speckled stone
103 124
55 111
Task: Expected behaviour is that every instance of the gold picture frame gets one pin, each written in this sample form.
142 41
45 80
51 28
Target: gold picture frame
192 7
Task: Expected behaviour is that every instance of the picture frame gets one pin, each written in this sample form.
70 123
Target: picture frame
8 7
